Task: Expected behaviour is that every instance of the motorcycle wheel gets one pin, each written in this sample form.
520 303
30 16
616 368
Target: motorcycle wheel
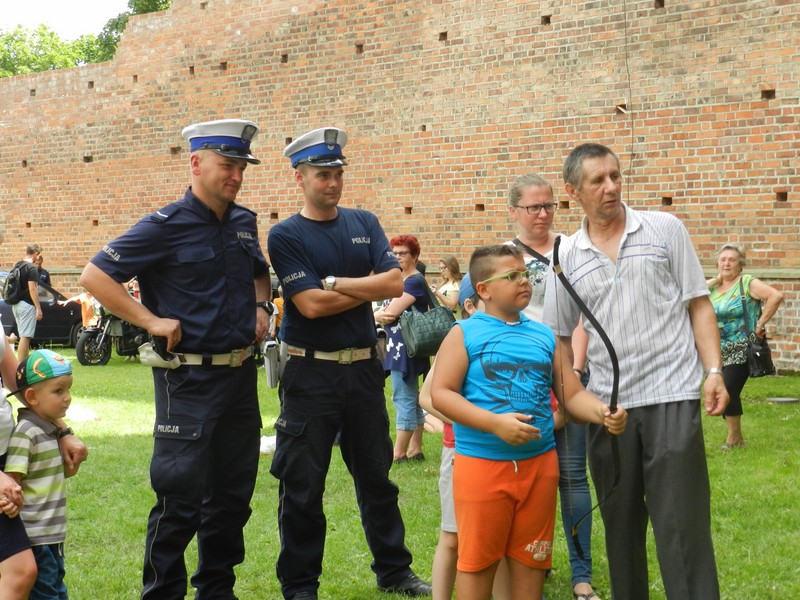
89 352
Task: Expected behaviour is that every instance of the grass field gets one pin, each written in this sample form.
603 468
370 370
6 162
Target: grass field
755 501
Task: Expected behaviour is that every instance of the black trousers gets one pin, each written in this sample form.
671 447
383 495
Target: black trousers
203 471
664 480
320 398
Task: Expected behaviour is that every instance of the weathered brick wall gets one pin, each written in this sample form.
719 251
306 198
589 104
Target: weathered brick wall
445 102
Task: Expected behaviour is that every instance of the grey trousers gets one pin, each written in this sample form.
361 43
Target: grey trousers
664 478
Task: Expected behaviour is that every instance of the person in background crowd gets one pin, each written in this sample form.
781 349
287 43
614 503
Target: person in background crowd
28 310
532 207
204 286
447 291
664 340
405 370
762 301
44 274
332 264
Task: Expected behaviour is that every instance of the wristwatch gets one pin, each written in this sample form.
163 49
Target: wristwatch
267 306
713 371
330 282
65 432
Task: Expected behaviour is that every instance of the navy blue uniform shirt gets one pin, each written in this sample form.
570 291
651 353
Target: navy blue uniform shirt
194 268
303 252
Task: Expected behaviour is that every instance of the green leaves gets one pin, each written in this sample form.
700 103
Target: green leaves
24 51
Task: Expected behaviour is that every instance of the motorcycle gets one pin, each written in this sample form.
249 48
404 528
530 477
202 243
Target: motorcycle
94 343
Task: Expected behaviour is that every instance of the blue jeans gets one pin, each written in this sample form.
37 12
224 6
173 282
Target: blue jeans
576 500
405 396
50 581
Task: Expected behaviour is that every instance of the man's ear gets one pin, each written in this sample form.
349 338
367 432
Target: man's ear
571 190
298 177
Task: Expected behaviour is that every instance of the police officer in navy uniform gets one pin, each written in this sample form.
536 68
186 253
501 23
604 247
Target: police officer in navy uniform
203 283
332 263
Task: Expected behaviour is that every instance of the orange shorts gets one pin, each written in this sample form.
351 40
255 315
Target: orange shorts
505 508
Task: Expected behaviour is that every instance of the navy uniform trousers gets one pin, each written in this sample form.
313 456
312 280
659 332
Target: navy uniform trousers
203 471
318 399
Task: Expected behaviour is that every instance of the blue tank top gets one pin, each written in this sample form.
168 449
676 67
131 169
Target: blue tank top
510 370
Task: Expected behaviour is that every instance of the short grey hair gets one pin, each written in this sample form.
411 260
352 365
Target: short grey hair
526 181
573 165
736 248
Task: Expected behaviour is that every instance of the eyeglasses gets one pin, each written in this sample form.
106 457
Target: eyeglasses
535 209
401 252
512 276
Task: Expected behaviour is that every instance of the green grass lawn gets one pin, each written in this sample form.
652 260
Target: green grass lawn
755 502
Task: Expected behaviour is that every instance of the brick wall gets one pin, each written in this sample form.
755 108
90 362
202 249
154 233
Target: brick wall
445 102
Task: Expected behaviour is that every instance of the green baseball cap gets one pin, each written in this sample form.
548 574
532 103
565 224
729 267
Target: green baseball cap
41 365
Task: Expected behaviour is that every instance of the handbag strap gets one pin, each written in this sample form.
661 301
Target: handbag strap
433 301
744 308
540 257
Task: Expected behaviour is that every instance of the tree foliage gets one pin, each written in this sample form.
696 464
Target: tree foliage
25 51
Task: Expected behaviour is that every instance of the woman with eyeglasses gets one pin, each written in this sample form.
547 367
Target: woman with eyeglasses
532 206
405 370
447 291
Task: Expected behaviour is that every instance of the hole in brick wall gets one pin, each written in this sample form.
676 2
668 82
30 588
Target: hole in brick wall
175 150
480 207
288 141
423 128
24 164
621 109
223 66
87 158
658 4
203 5
91 85
546 19
33 92
28 225
666 200
191 70
359 48
95 222
284 58
781 196
442 36
563 204
407 210
273 216
768 94
135 78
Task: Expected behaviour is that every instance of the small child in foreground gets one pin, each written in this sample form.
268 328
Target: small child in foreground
493 378
35 462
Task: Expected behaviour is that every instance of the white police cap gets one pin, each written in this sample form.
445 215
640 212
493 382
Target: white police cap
319 148
228 137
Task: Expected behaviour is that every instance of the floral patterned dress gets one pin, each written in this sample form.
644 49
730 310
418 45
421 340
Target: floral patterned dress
730 319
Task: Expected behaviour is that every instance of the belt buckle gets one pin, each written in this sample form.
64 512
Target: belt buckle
345 361
236 358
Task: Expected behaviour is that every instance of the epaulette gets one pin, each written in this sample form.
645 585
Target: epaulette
251 211
165 213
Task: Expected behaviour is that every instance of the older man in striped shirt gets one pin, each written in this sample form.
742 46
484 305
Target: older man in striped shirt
639 275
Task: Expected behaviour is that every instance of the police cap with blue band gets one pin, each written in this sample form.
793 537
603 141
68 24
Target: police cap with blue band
319 148
227 137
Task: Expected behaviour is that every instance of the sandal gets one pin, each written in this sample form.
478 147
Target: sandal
588 596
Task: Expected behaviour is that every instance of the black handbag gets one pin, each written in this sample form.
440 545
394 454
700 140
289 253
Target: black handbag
423 332
759 355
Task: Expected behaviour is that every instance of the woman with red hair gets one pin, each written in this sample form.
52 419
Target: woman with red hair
405 370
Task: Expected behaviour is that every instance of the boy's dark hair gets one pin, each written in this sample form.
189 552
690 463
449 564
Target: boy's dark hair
482 261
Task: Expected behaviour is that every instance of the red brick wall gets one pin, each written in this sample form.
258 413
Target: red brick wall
445 102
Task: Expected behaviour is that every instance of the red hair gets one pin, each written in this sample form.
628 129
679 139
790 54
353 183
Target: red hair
409 241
